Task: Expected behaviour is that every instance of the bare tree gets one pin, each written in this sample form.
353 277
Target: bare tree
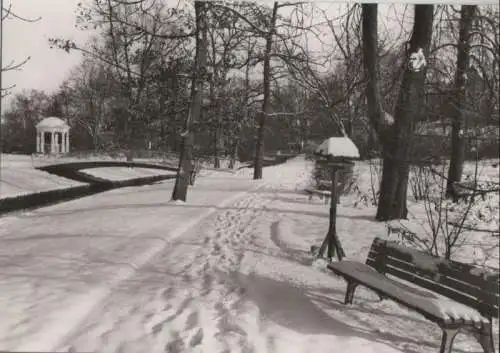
89 91
395 133
198 78
134 38
459 98
268 25
241 106
227 42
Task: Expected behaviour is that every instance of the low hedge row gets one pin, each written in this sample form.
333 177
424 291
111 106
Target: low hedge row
46 198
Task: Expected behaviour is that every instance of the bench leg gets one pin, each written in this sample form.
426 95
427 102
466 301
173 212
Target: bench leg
485 338
349 294
447 340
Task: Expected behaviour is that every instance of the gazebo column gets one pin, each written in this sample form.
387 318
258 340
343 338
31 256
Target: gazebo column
42 141
52 142
37 142
67 142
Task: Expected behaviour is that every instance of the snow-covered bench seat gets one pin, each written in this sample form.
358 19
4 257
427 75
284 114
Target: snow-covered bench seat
454 295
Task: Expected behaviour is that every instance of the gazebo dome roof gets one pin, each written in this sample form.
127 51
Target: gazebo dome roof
52 123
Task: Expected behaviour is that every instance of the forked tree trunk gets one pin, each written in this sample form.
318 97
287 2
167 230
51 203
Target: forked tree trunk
459 100
186 155
259 143
395 137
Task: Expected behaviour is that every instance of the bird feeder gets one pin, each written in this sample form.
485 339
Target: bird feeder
337 153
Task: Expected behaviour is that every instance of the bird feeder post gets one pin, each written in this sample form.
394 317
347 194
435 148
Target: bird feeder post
344 151
332 244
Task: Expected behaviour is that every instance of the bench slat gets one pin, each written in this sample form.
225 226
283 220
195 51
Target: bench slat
491 298
430 285
424 302
449 293
449 268
460 282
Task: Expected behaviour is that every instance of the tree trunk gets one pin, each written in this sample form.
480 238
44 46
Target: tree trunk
186 154
458 123
234 153
216 148
259 143
397 145
395 137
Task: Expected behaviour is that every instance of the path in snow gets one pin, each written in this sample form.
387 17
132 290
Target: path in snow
60 261
239 280
208 292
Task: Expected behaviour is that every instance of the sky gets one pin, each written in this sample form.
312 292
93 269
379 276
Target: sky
47 67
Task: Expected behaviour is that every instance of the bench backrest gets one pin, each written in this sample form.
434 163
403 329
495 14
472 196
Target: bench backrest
473 286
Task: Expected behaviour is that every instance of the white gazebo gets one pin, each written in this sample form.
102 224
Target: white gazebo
52 136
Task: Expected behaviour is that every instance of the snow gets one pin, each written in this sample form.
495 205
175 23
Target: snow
18 177
229 270
338 147
417 60
479 248
442 306
388 118
124 173
52 123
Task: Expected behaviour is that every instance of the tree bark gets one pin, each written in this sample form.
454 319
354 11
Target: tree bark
395 137
397 146
369 14
234 153
458 117
186 154
259 143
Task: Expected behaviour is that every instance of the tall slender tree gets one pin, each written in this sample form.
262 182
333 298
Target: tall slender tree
198 78
395 134
459 98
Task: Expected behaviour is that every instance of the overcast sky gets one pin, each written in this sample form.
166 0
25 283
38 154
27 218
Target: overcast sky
48 67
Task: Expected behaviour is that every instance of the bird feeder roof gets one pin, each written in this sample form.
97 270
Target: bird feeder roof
338 148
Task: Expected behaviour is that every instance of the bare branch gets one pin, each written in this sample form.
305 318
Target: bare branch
13 66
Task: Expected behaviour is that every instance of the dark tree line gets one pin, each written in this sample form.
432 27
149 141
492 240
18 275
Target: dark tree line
232 81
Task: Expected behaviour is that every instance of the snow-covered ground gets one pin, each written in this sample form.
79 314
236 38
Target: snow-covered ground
19 177
228 271
43 160
124 173
478 247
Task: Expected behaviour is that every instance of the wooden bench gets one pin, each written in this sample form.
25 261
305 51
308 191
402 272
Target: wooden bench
453 295
323 194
